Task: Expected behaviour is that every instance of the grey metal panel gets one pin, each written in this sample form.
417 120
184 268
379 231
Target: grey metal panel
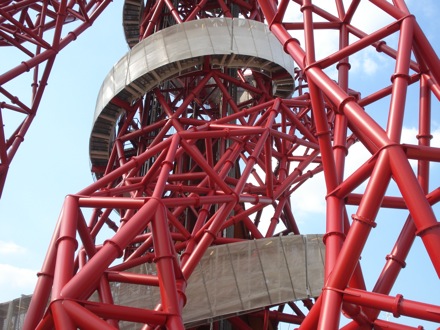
240 277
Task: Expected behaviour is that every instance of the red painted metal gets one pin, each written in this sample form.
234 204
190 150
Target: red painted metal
39 30
203 171
391 159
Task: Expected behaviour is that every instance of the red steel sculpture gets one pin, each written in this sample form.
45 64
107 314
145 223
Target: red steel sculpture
204 133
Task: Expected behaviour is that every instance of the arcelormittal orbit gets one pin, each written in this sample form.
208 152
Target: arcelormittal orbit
206 134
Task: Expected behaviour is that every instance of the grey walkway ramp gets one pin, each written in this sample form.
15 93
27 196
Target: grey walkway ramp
240 277
12 313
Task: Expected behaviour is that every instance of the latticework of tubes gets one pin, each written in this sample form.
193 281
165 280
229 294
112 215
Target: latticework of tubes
206 131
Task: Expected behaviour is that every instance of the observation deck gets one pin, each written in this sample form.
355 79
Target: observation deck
131 16
179 50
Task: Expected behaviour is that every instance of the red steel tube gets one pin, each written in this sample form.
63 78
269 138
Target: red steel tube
396 305
85 280
135 161
43 287
172 303
61 319
386 325
334 218
396 259
400 80
206 240
84 318
126 277
363 42
422 213
361 122
131 314
354 243
66 246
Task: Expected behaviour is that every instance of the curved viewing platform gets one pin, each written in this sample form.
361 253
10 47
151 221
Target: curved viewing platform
131 16
181 49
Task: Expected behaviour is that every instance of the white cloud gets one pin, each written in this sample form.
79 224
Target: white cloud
15 281
409 136
357 156
368 62
435 142
310 197
370 66
8 248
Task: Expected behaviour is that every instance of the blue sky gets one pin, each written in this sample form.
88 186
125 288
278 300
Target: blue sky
53 160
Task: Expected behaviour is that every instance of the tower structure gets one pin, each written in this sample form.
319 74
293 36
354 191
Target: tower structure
204 134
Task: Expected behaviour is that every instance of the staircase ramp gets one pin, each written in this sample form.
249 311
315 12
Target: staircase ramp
237 278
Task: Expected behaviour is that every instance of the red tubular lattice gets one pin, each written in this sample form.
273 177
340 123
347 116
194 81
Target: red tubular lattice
213 147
